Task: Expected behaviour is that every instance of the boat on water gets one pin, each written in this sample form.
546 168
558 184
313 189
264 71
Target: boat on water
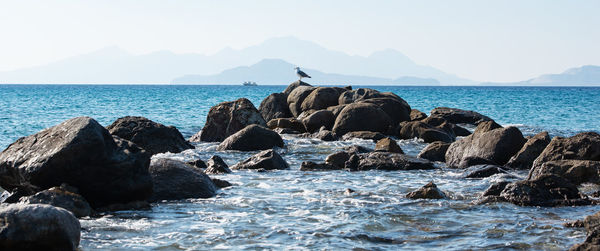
249 83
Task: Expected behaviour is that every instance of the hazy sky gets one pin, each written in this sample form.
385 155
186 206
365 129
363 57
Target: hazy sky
480 40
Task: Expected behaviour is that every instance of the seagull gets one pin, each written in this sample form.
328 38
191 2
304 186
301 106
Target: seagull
301 74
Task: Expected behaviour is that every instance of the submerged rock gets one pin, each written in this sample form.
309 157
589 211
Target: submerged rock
435 151
64 197
149 135
458 116
312 166
252 138
221 183
227 118
534 146
216 165
361 117
429 191
275 106
175 180
388 145
391 161
267 160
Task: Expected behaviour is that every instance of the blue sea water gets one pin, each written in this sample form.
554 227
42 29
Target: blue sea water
291 209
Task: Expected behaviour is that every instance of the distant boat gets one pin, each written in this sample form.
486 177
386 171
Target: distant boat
248 83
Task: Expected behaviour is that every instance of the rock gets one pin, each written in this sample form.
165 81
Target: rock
296 97
325 135
221 183
149 135
321 98
416 115
38 227
216 165
391 161
429 191
175 180
267 160
534 146
290 123
336 109
252 138
352 163
361 117
312 166
583 146
545 191
24 189
458 116
591 224
349 191
363 135
495 189
422 130
460 131
227 118
337 159
396 108
482 171
435 151
293 86
81 153
357 149
487 126
275 106
285 131
316 120
197 164
576 171
64 197
388 145
491 147
352 96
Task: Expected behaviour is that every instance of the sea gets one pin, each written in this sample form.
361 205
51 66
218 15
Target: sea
296 210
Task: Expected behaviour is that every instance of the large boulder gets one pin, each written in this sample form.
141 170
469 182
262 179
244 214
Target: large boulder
361 117
583 146
267 160
296 97
216 165
252 138
485 147
395 107
316 120
287 123
422 130
336 110
64 197
176 180
388 145
149 135
576 171
534 146
352 96
429 191
458 116
275 106
321 98
435 151
391 161
416 115
544 191
38 227
227 118
83 154
293 86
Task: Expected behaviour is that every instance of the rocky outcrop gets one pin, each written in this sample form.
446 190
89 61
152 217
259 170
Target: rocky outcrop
81 153
435 151
482 171
363 135
592 227
296 97
175 180
227 118
293 86
416 115
534 146
216 165
38 227
429 191
149 135
275 106
361 117
252 138
458 116
583 146
287 123
318 119
391 161
267 160
64 197
422 130
576 171
321 98
485 147
388 145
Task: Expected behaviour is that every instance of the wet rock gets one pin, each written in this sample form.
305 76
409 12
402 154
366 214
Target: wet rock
336 109
363 135
583 146
221 183
486 126
349 191
534 146
361 117
337 159
293 86
227 118
289 123
149 135
416 115
592 227
422 130
458 116
38 227
576 171
64 197
435 151
495 189
318 119
130 205
321 98
491 147
216 165
275 106
460 131
285 131
544 191
296 97
482 171
312 166
429 191
252 138
388 145
23 190
267 160
325 135
175 180
357 149
82 153
396 108
391 161
352 163
197 164
352 96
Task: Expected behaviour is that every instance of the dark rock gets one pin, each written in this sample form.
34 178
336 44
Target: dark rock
338 159
583 146
290 123
576 171
435 151
396 108
221 183
81 153
64 197
252 138
352 163
23 190
495 189
388 145
416 115
336 109
363 135
149 135
545 191
422 130
357 149
296 97
216 165
458 116
487 126
285 131
352 96
325 135
275 106
349 191
175 180
312 166
268 160
592 227
293 86
197 164
227 118
534 146
321 98
130 205
482 171
38 227
318 119
491 147
391 161
429 191
460 131
361 117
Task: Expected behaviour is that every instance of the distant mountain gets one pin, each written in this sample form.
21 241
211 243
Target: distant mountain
584 75
113 65
280 72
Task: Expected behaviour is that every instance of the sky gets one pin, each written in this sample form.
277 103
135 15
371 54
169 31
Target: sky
481 40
